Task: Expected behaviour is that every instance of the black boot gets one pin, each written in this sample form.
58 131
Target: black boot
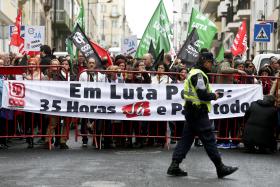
223 170
174 169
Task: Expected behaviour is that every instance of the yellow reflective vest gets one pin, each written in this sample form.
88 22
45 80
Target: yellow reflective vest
190 93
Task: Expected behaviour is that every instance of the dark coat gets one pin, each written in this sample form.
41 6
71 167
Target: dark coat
46 60
260 123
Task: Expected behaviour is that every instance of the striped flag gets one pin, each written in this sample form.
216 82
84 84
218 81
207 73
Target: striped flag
21 49
17 39
239 46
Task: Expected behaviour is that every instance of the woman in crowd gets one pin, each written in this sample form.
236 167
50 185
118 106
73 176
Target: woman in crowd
266 82
176 128
159 128
34 72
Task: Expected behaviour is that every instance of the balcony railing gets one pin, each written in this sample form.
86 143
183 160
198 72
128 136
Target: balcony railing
62 18
243 5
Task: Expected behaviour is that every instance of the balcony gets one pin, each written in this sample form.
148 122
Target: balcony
232 26
62 19
222 9
243 14
243 9
209 6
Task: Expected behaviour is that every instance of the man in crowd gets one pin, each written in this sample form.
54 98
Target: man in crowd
46 56
148 60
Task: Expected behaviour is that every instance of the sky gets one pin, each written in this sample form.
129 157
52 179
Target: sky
139 13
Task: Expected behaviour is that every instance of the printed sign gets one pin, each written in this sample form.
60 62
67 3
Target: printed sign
99 100
129 45
262 32
34 37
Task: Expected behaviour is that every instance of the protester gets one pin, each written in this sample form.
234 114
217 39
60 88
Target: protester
3 141
227 127
46 56
167 60
176 128
55 121
226 68
80 65
265 81
89 75
148 60
274 65
260 121
197 106
159 128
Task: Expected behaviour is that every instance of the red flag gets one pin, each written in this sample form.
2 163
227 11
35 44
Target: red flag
15 38
102 52
239 45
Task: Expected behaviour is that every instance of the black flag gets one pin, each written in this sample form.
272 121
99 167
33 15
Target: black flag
83 44
189 53
159 59
152 50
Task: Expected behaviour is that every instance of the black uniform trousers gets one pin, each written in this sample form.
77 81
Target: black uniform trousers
197 126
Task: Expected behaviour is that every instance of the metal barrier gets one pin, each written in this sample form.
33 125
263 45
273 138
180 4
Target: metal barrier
30 125
17 124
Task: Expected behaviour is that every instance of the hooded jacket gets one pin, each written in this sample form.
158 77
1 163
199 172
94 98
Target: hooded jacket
260 123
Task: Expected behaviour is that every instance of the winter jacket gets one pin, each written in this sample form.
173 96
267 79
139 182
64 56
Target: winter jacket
260 123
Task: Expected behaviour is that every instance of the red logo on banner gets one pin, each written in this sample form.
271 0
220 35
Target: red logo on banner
137 109
16 93
16 89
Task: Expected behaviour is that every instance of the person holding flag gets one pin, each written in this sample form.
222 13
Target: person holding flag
197 94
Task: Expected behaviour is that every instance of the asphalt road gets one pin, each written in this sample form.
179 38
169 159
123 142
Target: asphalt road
129 167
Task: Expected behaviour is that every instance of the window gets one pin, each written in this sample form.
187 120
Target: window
114 23
185 26
60 5
276 3
185 9
114 11
103 24
14 2
103 8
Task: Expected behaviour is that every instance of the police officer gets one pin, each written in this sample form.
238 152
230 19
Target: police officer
197 94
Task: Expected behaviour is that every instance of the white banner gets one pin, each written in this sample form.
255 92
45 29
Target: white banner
97 100
129 45
34 37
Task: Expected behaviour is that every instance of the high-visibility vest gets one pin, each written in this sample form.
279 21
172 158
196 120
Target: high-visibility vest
190 93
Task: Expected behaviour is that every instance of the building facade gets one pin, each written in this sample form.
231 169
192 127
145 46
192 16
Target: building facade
8 13
228 16
181 16
107 23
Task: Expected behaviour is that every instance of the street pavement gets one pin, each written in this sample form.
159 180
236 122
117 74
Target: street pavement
88 167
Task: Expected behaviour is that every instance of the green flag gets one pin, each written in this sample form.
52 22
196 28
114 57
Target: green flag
206 29
81 17
158 29
220 55
81 21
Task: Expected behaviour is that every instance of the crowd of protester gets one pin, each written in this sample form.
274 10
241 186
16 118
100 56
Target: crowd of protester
233 70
